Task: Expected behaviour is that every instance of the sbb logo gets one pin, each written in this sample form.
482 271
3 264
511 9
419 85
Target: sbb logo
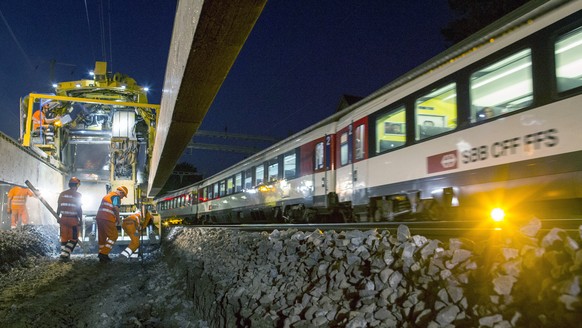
449 161
442 162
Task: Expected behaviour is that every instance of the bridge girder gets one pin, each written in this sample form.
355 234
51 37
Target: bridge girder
206 39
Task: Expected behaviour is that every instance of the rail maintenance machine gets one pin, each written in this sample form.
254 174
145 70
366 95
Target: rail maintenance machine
102 131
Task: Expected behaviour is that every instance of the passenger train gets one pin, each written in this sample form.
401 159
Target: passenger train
490 126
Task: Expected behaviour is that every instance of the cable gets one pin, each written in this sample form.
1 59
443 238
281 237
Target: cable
102 25
89 26
110 37
16 40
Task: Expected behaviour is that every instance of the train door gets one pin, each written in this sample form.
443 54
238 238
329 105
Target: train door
359 164
329 177
352 169
323 174
344 170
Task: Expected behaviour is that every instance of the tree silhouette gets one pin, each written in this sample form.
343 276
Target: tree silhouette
184 174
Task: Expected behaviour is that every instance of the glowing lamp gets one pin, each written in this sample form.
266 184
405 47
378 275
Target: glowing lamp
497 214
263 188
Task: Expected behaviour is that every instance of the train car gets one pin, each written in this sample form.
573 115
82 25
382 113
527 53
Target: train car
488 126
179 206
281 183
493 129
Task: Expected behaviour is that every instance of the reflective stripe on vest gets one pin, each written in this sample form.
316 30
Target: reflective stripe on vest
69 203
106 209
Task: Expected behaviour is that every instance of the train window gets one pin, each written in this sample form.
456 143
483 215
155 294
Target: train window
210 192
436 112
273 172
290 166
248 179
216 190
204 194
390 130
319 156
238 182
359 142
230 186
259 174
502 87
568 51
222 188
344 151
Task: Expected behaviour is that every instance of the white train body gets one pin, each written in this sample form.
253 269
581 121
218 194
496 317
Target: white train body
492 122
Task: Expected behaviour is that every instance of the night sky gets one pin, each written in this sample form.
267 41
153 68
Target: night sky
299 59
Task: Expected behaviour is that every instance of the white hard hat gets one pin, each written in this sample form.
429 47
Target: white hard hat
44 102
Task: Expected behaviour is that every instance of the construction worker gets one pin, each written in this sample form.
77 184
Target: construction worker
39 117
133 225
17 205
70 212
107 221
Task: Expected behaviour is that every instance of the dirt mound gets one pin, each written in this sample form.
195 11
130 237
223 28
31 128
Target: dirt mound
20 247
37 290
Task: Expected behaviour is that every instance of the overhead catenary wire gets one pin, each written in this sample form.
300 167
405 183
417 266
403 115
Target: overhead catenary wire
13 115
105 32
110 35
102 25
89 27
16 40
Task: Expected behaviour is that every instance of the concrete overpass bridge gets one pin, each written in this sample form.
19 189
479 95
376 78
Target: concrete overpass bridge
206 39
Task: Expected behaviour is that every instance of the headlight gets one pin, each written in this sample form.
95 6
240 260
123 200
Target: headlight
497 214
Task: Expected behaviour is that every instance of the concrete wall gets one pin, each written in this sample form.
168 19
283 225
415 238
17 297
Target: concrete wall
18 164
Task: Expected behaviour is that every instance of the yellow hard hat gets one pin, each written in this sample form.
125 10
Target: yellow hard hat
123 189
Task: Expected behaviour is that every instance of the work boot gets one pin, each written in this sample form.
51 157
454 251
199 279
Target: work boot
122 258
65 259
103 258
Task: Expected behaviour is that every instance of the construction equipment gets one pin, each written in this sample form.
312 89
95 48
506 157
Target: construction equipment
104 136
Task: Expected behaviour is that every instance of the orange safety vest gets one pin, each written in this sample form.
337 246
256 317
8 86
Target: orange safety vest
38 119
70 204
107 211
133 219
18 195
137 219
